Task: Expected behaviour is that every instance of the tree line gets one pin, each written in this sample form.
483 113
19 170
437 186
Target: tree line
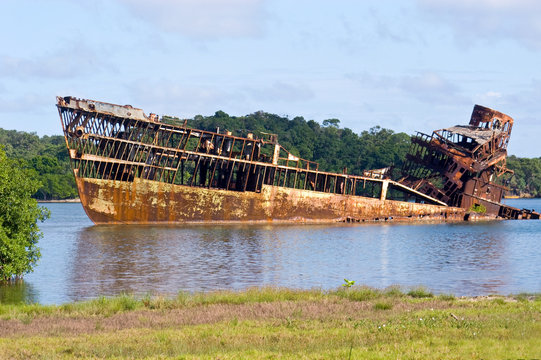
333 147
45 159
526 181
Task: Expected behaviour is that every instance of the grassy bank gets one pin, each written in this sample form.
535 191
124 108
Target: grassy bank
278 323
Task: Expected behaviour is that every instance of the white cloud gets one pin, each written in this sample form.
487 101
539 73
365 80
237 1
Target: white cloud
489 97
280 91
426 87
68 62
493 94
189 99
18 67
202 18
391 26
427 83
523 101
518 20
26 103
484 4
180 99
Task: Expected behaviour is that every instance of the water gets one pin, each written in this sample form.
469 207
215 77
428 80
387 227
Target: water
81 261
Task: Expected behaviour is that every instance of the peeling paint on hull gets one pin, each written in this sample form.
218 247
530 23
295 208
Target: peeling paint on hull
147 202
133 168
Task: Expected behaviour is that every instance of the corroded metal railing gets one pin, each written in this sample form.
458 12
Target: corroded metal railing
115 142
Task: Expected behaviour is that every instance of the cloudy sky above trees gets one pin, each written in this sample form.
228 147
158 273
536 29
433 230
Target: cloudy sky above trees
415 65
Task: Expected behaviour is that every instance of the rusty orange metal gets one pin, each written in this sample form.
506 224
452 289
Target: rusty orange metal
465 166
130 168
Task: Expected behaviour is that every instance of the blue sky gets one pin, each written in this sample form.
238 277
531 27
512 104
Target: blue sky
416 65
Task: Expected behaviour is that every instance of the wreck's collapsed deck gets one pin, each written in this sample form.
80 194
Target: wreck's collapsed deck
468 162
131 168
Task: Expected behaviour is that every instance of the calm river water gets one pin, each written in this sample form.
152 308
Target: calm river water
81 261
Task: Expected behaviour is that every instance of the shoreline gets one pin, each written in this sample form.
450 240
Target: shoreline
77 200
519 197
263 323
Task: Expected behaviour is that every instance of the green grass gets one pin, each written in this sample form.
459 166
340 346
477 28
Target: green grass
383 306
420 292
273 323
108 306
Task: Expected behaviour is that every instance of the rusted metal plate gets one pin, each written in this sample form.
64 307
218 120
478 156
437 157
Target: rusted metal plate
465 165
131 168
144 201
123 111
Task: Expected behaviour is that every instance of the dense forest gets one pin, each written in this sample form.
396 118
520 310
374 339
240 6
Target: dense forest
527 179
333 147
48 160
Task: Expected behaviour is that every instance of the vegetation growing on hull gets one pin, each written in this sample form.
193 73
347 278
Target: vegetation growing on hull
478 208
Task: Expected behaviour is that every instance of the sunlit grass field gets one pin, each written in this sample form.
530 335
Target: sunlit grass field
275 323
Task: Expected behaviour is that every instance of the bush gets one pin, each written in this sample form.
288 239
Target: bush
19 214
420 292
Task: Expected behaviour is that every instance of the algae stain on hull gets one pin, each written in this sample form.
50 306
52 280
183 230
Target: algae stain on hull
146 201
134 168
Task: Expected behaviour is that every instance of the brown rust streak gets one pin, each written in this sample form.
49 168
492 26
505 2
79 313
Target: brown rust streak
144 201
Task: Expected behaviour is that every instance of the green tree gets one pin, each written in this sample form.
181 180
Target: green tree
334 148
19 214
56 180
527 179
331 122
49 158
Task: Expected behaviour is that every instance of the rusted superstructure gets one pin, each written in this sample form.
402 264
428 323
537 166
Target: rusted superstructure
465 166
134 168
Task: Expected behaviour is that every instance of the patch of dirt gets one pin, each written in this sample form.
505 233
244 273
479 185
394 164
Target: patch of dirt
325 310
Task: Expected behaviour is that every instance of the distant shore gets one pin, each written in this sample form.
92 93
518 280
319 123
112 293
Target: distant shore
77 200
520 197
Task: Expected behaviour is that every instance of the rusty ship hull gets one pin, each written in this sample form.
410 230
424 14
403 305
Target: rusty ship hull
148 202
131 168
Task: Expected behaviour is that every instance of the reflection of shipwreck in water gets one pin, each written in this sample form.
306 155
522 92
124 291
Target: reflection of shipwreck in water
133 168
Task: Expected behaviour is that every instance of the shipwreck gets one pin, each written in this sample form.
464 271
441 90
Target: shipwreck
134 168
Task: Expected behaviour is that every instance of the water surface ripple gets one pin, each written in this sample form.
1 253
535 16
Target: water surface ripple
82 261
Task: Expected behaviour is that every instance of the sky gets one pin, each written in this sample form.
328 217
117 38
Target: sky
417 65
